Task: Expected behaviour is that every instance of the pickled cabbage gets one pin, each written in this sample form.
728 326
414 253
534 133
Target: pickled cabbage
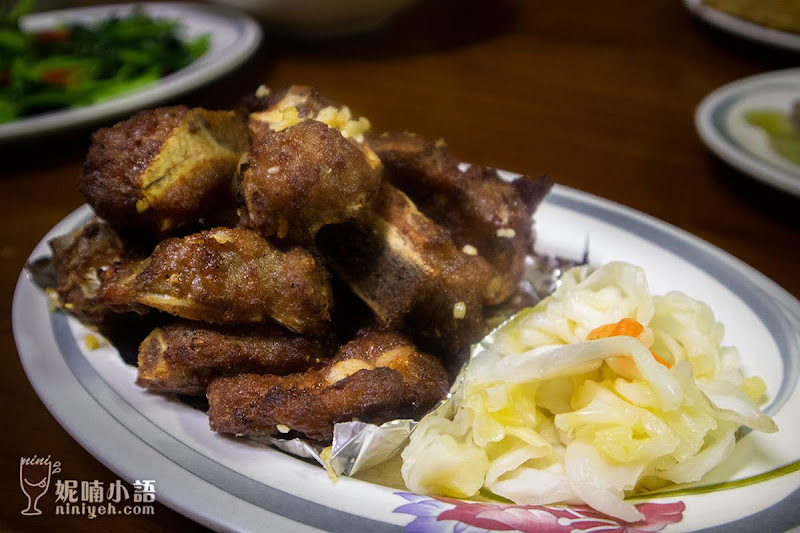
543 415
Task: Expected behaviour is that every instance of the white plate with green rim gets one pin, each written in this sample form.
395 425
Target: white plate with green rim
721 123
231 484
233 37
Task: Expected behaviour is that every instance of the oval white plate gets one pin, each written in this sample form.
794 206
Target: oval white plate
234 37
719 120
141 435
742 27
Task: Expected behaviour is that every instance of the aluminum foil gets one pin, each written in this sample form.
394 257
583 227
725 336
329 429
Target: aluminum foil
356 445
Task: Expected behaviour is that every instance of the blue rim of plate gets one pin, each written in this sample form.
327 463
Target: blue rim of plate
719 113
198 73
710 119
730 272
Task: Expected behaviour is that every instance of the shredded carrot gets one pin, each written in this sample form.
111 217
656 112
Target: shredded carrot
627 327
660 360
601 332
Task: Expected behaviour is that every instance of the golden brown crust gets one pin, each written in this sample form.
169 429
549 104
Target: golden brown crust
378 376
476 206
409 272
117 156
163 168
229 276
84 259
182 357
305 177
308 181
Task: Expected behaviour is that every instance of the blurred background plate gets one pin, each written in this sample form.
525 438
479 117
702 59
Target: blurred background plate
320 18
234 37
719 120
744 28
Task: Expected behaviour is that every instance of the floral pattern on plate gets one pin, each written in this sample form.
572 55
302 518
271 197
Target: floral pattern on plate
445 515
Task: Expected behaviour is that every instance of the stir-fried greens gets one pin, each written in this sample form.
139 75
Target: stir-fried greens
73 65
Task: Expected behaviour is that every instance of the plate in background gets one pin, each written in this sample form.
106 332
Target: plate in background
234 37
743 28
141 435
719 120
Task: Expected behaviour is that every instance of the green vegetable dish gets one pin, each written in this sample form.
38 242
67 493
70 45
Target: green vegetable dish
74 65
782 130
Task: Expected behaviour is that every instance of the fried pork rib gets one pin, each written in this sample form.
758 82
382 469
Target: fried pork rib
297 180
163 168
409 272
418 246
485 214
182 357
306 168
84 259
228 276
379 376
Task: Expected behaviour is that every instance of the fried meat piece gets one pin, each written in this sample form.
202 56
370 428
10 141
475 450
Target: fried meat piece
183 357
484 213
307 167
228 276
302 178
409 272
84 259
163 168
376 377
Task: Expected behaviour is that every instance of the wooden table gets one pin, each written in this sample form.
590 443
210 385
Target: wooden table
599 95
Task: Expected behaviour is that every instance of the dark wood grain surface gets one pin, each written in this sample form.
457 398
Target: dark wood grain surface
599 95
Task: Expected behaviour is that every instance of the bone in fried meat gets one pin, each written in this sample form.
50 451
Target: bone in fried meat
84 259
379 376
307 167
297 180
409 272
484 213
182 357
163 168
228 276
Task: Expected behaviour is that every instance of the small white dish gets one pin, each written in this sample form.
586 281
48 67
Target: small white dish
237 485
743 28
720 122
234 37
